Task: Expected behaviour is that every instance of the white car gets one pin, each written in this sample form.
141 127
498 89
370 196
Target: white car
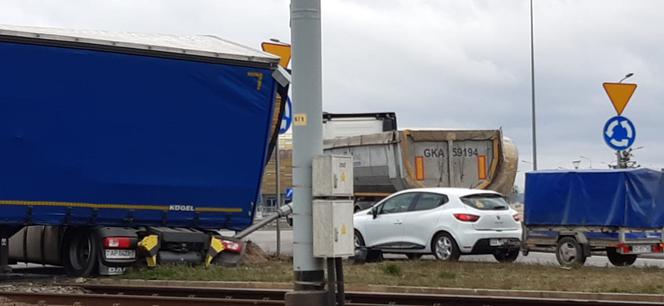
445 222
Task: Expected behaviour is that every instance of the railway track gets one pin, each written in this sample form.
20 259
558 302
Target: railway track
116 295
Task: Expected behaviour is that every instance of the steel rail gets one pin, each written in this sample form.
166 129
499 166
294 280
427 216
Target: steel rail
354 298
122 300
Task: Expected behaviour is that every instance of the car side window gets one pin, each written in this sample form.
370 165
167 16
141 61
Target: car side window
397 204
429 201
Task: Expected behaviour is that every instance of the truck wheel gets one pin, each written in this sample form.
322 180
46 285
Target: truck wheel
506 256
620 260
81 251
445 248
569 252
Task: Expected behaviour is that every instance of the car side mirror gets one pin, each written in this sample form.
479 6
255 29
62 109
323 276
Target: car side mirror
374 212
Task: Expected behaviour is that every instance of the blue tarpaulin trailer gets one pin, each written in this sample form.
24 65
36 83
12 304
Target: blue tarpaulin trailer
128 130
619 211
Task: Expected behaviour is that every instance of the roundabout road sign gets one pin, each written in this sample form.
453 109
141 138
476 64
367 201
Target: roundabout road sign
287 119
619 133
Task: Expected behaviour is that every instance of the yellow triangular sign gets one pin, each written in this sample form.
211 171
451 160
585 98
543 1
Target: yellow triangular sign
619 93
282 50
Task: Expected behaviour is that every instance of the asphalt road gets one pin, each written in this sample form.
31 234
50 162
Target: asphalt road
267 241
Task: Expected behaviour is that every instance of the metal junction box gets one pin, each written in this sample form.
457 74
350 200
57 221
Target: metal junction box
332 176
333 228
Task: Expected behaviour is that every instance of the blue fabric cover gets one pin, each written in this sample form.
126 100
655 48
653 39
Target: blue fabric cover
618 198
93 137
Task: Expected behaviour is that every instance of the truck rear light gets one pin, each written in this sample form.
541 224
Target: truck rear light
232 246
466 217
657 248
623 248
117 242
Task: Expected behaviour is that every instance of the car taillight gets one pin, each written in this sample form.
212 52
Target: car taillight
466 217
117 242
517 217
232 246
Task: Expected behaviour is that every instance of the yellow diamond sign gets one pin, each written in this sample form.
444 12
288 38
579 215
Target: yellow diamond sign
619 93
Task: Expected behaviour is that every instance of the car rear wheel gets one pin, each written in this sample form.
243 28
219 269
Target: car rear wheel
506 256
620 260
445 248
569 252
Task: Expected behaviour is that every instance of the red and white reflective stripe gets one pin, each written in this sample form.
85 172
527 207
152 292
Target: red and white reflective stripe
117 242
467 217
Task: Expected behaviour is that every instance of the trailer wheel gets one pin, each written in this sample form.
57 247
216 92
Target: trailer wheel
569 252
620 260
81 251
506 256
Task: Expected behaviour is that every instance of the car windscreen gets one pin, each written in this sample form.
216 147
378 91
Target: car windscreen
485 201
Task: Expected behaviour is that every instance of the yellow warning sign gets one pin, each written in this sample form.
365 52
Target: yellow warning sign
344 230
282 50
343 176
619 93
300 120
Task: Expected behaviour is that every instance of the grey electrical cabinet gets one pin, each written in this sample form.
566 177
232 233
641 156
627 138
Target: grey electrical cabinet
332 176
333 228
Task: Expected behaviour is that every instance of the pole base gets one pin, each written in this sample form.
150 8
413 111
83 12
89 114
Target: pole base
309 297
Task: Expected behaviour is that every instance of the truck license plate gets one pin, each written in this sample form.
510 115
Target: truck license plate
497 242
638 249
120 254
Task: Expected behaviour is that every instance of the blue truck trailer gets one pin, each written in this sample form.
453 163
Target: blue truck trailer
580 213
122 146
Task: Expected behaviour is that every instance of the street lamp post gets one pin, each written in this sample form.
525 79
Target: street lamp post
532 85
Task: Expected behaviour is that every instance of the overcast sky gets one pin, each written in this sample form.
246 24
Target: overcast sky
441 63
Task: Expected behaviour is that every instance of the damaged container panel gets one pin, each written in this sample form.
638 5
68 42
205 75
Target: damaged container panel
131 129
632 198
392 161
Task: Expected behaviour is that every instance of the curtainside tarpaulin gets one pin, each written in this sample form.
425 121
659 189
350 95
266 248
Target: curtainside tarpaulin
114 133
613 198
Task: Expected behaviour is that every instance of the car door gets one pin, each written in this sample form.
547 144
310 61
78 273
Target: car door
422 218
387 228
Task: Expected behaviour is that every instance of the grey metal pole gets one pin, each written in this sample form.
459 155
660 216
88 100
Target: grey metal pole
532 85
307 136
277 187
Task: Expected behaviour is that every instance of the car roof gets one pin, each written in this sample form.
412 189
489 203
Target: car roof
459 192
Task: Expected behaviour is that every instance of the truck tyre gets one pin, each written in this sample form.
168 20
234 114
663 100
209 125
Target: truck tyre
445 248
620 260
506 256
80 252
569 252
